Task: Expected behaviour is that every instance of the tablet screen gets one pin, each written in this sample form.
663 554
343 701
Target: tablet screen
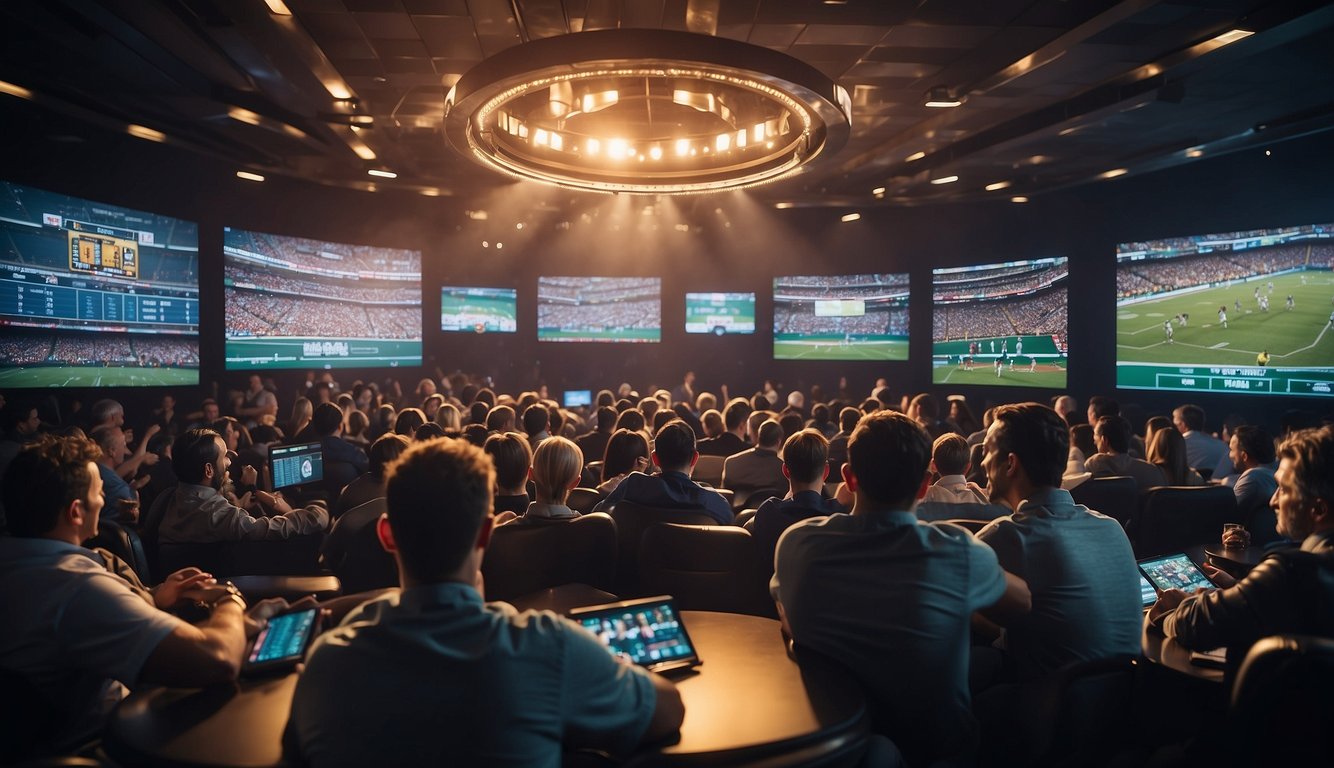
647 632
1175 572
1147 594
284 638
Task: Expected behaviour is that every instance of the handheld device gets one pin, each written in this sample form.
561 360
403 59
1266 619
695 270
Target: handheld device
649 632
293 465
1175 572
282 642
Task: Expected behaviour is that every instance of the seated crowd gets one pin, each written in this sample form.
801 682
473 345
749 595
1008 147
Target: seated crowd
947 564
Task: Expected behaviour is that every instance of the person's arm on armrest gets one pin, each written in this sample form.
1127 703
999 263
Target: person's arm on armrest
203 654
1016 601
668 710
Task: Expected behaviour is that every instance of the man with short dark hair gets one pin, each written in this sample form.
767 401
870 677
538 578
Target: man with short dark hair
838 444
806 466
758 468
1111 434
1252 452
594 444
892 598
733 441
79 633
1203 451
198 511
456 680
536 419
326 424
500 419
1291 591
673 453
1078 564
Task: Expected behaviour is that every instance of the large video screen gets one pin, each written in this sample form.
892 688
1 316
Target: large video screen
720 313
599 309
95 295
478 310
841 317
1000 324
1241 312
298 303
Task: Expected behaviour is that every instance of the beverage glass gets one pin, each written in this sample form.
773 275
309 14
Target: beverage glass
1235 536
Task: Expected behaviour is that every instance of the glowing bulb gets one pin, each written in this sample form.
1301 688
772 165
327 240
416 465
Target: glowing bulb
723 141
593 146
683 147
655 152
617 148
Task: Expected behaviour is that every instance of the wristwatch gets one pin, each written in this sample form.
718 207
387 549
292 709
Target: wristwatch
230 593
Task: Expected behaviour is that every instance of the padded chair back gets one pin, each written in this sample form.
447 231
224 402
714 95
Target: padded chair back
631 521
352 550
337 475
1281 703
32 723
591 477
972 526
931 511
526 557
582 500
705 567
1172 518
297 556
1116 497
708 469
754 497
1091 711
123 542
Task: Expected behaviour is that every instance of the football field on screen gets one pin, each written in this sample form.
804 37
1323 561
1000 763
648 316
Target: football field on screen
836 348
502 309
65 376
1299 337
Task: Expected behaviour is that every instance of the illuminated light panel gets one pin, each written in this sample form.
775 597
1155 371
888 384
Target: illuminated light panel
1232 36
1195 152
676 96
1113 173
337 89
784 206
847 217
914 156
878 191
945 180
278 7
244 116
1019 199
248 176
382 174
997 186
15 90
144 132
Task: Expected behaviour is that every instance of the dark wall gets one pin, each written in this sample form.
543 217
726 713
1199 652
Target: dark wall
727 242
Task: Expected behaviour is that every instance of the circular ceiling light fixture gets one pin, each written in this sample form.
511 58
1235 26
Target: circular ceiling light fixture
646 111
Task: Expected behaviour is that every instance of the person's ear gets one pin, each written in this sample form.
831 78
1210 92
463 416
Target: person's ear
786 472
574 482
849 479
1320 510
654 456
694 457
926 483
530 473
386 535
484 533
76 513
825 476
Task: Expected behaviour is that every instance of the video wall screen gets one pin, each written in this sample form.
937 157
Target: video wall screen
720 313
1242 312
95 295
478 310
841 317
599 309
298 303
1001 324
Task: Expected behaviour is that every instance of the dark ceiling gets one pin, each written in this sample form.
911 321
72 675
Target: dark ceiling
1058 91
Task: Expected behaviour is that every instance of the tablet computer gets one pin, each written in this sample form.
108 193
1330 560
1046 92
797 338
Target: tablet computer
1147 594
649 632
292 465
282 642
1175 572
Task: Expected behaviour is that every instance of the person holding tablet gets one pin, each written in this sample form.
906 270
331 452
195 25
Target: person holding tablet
454 680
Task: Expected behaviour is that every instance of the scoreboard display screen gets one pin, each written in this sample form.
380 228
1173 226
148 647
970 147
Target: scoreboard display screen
1249 312
93 294
720 313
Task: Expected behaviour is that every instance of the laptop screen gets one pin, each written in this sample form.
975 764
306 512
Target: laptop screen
291 465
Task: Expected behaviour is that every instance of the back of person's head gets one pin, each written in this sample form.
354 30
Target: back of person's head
105 436
848 418
384 450
468 394
327 418
535 419
500 419
796 400
736 413
557 464
924 406
428 431
631 419
44 479
447 416
704 401
1100 405
806 456
486 395
512 456
870 405
606 418
436 495
623 449
1167 449
712 422
649 406
604 398
1116 431
1192 416
674 445
408 421
14 415
754 421
103 411
1256 442
950 453
820 413
477 412
662 417
357 424
1154 424
770 434
345 401
194 450
885 440
759 402
1038 437
791 423
475 434
1081 437
556 419
623 404
1310 455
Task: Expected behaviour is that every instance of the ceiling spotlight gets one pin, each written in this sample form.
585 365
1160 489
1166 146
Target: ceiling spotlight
914 156
878 191
845 218
711 113
942 97
997 186
784 206
945 180
248 176
1232 36
278 7
1195 152
382 174
1019 199
1113 173
144 132
15 90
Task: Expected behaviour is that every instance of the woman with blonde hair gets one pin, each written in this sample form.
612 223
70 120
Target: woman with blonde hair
557 465
1167 449
301 413
447 416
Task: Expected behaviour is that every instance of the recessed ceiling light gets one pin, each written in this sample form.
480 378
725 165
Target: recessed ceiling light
784 206
382 174
942 97
15 90
710 113
1113 173
997 185
144 132
845 218
248 176
278 7
914 156
945 180
1232 36
1018 199
878 191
